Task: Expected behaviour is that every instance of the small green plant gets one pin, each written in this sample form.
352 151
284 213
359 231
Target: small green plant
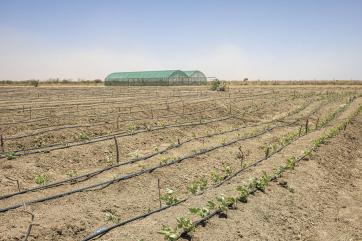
267 152
164 160
291 163
71 173
109 159
279 171
226 169
225 203
41 179
216 177
262 182
243 193
10 155
169 233
161 124
308 153
197 186
201 212
111 217
210 205
134 154
185 224
169 197
83 136
132 128
215 85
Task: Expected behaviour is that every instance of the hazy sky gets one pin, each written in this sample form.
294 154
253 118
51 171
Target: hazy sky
271 39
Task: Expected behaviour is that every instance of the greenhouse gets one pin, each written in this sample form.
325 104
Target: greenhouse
163 77
196 76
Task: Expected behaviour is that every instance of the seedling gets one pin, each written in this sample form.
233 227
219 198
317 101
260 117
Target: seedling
164 160
10 155
41 179
226 169
169 197
132 127
201 212
134 154
111 217
83 136
216 177
262 182
71 173
169 233
185 224
291 163
243 193
197 186
224 204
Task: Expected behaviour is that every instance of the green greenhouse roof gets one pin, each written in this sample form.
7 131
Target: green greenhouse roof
145 74
190 72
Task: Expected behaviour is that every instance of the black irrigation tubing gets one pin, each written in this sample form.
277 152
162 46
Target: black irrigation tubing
84 101
112 100
135 174
112 122
142 111
86 176
103 114
25 121
132 96
106 123
91 174
58 146
195 102
129 176
102 123
103 231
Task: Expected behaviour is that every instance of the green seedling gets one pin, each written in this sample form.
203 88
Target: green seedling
226 169
185 224
262 182
201 212
41 179
224 204
134 154
169 197
71 173
10 155
216 178
169 233
111 217
291 163
83 136
243 193
197 186
132 128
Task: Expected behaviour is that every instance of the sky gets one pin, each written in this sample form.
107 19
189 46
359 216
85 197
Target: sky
229 39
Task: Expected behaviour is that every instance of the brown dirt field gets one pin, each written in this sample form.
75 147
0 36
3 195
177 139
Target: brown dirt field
326 203
74 216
